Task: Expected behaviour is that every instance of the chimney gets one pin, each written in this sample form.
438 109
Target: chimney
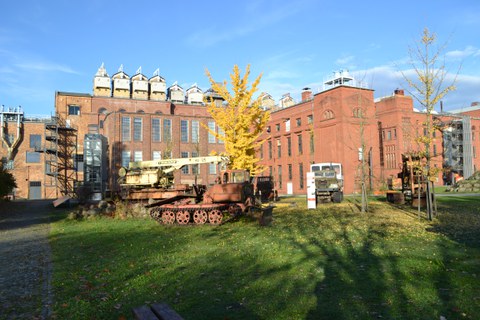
399 92
306 94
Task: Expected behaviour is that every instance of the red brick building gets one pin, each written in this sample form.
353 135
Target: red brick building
142 119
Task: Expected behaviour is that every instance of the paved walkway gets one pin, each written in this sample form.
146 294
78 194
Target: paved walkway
25 260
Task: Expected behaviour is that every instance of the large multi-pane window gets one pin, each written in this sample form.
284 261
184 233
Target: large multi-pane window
300 144
167 154
125 129
35 141
125 158
156 130
270 149
167 130
211 126
195 131
138 156
185 169
221 133
300 173
279 148
195 167
137 129
184 130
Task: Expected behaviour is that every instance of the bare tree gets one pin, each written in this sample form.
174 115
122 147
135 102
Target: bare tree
428 88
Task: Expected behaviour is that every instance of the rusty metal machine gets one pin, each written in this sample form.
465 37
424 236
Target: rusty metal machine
233 195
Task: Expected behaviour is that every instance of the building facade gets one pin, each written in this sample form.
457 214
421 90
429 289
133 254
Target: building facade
143 119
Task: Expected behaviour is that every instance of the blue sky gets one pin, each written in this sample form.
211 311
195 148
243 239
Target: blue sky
48 46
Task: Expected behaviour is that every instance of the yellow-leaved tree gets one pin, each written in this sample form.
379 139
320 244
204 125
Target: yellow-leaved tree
241 119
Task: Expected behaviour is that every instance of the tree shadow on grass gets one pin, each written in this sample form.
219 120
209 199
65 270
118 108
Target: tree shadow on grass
324 264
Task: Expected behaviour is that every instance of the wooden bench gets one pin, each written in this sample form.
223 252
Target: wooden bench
157 311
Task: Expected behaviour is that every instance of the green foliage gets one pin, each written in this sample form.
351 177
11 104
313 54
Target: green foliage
328 263
7 181
241 120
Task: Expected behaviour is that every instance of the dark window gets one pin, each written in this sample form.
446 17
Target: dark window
289 146
167 130
185 169
33 157
74 110
310 119
300 144
184 130
300 173
277 127
35 141
290 173
299 122
279 177
125 129
312 143
269 149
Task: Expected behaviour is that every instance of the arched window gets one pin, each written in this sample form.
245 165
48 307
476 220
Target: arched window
328 114
140 111
102 111
158 112
358 113
121 110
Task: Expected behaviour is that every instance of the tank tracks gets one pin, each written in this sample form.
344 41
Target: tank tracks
194 213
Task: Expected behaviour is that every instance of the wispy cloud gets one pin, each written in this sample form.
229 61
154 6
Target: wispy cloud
345 60
45 67
461 54
252 21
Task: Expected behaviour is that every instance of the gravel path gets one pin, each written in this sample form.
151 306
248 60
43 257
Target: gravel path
25 260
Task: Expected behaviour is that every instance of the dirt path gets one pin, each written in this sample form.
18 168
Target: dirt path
25 260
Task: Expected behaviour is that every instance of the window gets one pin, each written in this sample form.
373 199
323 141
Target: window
157 155
212 168
167 130
270 149
211 127
310 119
184 130
125 129
287 125
328 114
221 133
35 141
125 158
389 135
279 177
195 131
270 171
357 113
78 162
185 169
434 134
290 173
195 167
74 110
33 157
167 154
289 146
138 156
299 122
474 150
300 173
300 144
434 150
137 129
277 127
260 150
312 143
279 148
156 130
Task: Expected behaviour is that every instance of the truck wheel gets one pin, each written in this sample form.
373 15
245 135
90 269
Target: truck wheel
337 197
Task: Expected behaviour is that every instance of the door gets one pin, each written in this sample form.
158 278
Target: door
35 190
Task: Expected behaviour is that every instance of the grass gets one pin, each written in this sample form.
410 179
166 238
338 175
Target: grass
328 263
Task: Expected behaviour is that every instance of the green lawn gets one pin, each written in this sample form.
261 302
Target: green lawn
328 263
